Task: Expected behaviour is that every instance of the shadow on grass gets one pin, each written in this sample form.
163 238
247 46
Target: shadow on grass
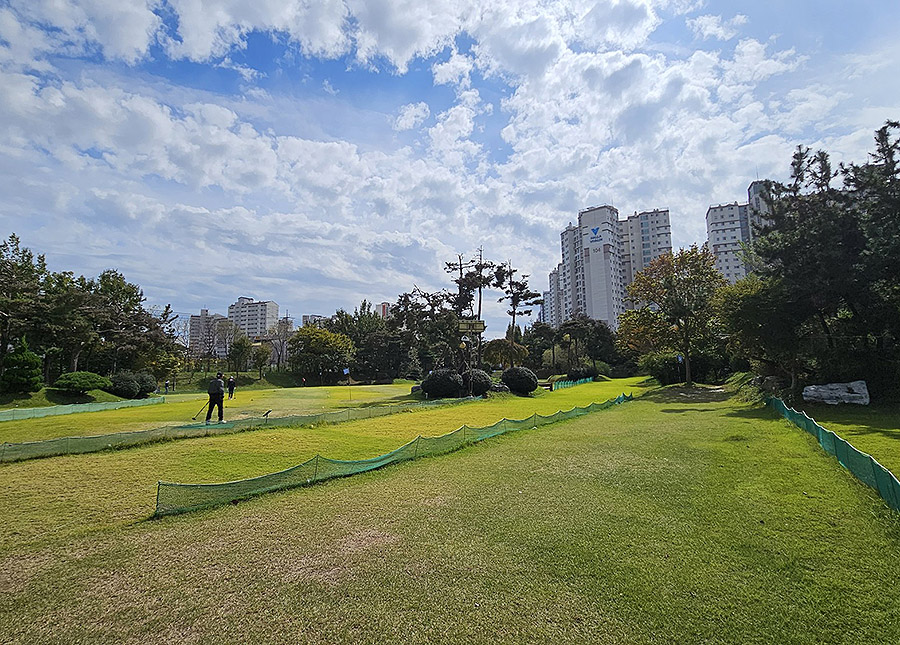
682 394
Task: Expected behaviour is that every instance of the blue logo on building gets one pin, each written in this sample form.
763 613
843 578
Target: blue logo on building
595 230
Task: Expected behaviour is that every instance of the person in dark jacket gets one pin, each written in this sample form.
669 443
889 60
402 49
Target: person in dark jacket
231 383
216 392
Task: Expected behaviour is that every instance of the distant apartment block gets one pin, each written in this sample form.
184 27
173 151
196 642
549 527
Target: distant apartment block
600 256
312 319
732 227
383 309
206 335
643 238
253 317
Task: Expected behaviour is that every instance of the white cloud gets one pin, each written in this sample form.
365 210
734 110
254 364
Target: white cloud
412 116
710 26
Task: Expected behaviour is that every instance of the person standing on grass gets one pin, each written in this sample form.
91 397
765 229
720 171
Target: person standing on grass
231 384
216 392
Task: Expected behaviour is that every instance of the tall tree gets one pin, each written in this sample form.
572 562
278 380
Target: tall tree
22 277
681 288
319 354
516 292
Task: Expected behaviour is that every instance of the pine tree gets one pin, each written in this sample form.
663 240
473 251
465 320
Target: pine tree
22 370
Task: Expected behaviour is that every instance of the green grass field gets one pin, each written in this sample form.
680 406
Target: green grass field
179 408
874 429
680 517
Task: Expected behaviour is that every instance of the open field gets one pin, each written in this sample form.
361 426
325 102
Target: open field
179 408
59 497
680 517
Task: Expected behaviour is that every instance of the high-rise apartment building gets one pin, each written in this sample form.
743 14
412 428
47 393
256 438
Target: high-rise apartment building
727 229
206 335
253 317
599 259
732 227
643 237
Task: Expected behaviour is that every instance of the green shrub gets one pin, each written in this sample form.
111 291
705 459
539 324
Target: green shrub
125 385
21 370
520 380
481 381
443 383
132 385
81 382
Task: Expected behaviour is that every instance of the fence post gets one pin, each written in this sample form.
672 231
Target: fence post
316 474
534 420
416 455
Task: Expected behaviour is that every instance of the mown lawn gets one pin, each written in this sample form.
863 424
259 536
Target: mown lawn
874 429
681 517
180 408
53 499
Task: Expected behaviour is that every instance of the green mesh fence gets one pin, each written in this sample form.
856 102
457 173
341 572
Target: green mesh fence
17 414
96 443
864 467
179 498
562 385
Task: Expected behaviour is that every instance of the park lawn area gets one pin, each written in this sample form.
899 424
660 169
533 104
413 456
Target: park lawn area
874 429
179 408
60 497
680 517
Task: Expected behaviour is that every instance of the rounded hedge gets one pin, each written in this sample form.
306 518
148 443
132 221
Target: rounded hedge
520 380
130 385
443 383
81 382
481 381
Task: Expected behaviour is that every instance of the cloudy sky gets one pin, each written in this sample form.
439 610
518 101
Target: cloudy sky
318 152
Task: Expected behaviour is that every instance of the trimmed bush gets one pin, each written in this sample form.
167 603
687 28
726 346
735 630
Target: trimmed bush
132 385
481 382
520 380
125 385
81 382
443 383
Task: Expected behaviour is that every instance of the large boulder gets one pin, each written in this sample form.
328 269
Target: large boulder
834 393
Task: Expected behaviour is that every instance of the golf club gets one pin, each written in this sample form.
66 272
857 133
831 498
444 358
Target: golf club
194 418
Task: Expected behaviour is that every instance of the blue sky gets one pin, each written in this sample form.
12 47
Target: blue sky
320 153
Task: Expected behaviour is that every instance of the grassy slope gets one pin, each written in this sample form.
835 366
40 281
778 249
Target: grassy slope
670 519
46 397
873 429
179 409
64 496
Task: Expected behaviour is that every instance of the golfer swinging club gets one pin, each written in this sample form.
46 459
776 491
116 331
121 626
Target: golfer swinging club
216 391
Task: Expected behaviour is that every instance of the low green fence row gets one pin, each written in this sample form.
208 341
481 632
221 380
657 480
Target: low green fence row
17 414
96 443
179 498
562 385
863 466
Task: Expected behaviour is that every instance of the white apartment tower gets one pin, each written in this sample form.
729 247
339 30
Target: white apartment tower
731 227
643 237
252 317
600 257
727 229
206 335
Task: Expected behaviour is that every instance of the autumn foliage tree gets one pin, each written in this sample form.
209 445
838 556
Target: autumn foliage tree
679 289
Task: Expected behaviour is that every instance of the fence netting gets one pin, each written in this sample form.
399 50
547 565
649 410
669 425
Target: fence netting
563 384
17 414
95 443
179 498
863 466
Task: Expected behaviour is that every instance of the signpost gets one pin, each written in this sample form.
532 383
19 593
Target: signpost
471 326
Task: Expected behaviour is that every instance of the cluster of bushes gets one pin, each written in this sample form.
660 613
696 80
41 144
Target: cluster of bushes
578 373
447 383
667 369
128 385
